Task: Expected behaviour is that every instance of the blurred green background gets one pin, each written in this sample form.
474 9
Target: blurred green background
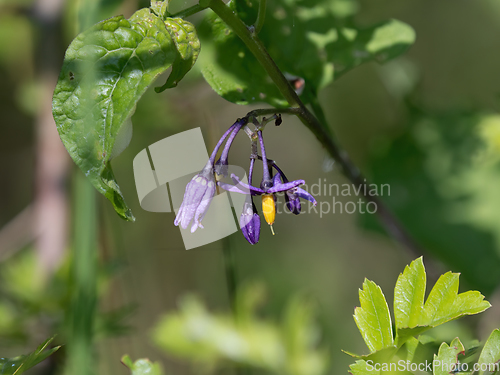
425 123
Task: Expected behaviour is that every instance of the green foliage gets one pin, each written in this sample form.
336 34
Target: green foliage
412 315
308 39
450 359
18 365
243 338
437 171
106 70
142 366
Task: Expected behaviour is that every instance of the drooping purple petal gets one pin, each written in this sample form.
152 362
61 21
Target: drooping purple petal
233 188
203 206
242 187
293 202
305 195
199 191
286 186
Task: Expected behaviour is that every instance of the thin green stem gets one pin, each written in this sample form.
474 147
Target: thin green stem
82 308
322 132
260 16
258 50
189 11
230 270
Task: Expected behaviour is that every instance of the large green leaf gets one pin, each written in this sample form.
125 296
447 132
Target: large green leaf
142 366
307 39
106 70
18 365
373 318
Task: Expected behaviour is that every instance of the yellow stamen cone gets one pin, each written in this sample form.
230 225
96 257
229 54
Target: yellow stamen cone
268 208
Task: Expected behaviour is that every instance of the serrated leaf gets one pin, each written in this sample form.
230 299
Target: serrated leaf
373 318
307 39
18 365
106 70
446 361
409 295
490 355
445 304
188 46
142 366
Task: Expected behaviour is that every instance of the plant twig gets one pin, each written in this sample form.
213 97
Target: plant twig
188 11
321 131
261 15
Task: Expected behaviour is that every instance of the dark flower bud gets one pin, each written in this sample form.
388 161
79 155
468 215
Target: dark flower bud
250 223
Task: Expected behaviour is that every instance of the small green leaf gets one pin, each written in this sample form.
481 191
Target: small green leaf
188 47
409 295
18 365
106 70
361 367
380 356
445 362
490 355
373 318
142 366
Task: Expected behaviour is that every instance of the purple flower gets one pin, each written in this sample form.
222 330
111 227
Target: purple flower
250 223
270 186
197 197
